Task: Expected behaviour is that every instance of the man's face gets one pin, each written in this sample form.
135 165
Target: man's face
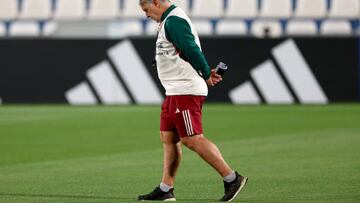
151 10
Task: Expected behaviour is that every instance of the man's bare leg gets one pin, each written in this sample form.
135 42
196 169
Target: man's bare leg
233 182
172 156
209 152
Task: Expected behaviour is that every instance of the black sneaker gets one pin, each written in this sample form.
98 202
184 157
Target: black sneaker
233 189
158 195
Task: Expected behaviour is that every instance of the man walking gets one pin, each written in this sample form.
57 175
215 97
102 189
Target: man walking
185 75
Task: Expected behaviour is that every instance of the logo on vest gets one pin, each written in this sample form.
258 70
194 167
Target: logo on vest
160 45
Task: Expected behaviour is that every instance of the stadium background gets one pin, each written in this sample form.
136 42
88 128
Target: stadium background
39 36
301 55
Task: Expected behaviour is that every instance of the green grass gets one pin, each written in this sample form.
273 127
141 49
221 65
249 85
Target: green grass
112 154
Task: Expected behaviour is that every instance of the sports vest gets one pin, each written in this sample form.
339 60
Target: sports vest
177 76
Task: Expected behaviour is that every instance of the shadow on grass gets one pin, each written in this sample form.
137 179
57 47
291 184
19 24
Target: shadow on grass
64 196
122 199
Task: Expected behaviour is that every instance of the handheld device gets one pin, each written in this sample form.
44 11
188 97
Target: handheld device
221 68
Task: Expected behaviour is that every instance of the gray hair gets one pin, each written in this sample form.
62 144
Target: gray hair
142 2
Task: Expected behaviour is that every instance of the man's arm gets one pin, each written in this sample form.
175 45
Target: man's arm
178 32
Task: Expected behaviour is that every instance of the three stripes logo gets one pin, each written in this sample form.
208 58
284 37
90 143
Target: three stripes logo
122 80
297 83
187 122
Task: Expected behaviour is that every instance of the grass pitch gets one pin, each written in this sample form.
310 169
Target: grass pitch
113 154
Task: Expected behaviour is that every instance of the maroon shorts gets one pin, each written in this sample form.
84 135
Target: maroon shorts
182 114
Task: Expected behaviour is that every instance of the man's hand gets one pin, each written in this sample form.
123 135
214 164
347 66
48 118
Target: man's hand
214 79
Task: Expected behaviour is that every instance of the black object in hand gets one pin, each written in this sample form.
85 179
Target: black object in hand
221 68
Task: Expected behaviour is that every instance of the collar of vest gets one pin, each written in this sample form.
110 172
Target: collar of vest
166 13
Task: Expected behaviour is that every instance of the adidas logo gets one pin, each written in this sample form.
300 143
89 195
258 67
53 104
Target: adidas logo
289 81
123 79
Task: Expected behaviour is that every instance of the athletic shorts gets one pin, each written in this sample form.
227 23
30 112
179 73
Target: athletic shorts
182 114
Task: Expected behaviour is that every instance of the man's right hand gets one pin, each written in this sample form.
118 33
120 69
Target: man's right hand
214 79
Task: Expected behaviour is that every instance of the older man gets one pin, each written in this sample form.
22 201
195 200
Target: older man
185 75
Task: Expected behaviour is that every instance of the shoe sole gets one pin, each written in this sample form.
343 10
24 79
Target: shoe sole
242 184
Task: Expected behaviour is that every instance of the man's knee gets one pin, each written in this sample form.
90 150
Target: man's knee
190 142
168 137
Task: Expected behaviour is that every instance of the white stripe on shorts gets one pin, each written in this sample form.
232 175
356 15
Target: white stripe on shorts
187 122
190 123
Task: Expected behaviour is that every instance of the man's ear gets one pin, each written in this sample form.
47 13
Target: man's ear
156 3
